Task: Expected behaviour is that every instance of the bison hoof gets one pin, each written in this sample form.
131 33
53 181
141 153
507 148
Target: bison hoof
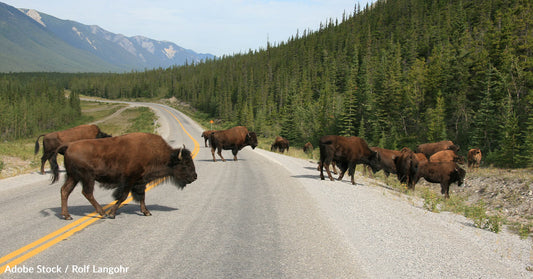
68 218
110 216
147 213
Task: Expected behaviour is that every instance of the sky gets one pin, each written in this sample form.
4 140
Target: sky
218 27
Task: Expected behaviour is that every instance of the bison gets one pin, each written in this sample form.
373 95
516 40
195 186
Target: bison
474 158
205 135
233 139
347 152
421 157
124 163
406 166
386 160
308 148
281 144
431 148
444 173
52 141
447 156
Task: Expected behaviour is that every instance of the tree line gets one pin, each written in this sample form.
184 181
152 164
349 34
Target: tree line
396 73
31 103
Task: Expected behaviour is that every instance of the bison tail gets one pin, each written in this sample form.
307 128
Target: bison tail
37 144
55 168
53 162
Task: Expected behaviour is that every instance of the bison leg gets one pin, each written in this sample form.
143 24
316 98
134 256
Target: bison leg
144 210
327 171
213 153
235 151
46 157
88 189
220 155
66 189
445 190
333 166
123 195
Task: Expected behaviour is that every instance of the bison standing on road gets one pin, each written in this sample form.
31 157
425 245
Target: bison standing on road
52 141
206 134
281 144
124 163
474 158
444 173
347 153
233 139
431 148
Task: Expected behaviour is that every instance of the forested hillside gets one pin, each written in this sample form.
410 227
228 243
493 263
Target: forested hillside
32 103
398 73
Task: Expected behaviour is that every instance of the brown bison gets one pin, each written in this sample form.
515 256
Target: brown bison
205 135
431 148
444 173
474 158
308 148
406 166
52 141
421 157
233 139
386 160
124 163
281 144
346 153
447 156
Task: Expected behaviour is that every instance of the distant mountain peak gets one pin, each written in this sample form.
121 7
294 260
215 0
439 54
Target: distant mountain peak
66 45
34 15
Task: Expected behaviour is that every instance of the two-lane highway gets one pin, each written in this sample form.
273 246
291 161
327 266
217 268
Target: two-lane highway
245 219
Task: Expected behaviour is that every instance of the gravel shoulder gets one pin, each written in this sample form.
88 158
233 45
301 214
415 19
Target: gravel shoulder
393 236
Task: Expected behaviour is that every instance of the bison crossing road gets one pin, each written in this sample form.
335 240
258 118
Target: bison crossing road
124 163
267 216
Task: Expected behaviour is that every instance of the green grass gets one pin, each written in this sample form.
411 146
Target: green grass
18 155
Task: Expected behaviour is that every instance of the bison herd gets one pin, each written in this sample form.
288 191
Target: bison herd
129 162
435 162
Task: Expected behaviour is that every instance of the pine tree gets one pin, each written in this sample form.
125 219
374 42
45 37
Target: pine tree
436 123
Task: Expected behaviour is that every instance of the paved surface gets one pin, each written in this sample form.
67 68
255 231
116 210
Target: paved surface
264 216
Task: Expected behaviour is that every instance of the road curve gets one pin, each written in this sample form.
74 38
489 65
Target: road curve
265 216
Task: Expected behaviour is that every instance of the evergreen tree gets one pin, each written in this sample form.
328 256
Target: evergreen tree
436 123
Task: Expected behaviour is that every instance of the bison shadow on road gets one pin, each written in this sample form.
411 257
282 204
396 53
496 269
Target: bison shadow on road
84 210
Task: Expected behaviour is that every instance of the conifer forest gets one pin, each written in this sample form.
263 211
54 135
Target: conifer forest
396 73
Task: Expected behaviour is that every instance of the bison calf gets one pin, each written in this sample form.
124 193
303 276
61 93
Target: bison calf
444 173
474 158
124 163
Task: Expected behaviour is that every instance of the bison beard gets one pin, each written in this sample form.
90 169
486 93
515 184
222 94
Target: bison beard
125 163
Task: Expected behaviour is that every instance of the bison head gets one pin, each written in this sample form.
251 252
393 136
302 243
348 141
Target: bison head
251 139
182 165
374 161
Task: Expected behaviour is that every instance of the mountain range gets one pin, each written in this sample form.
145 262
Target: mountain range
32 41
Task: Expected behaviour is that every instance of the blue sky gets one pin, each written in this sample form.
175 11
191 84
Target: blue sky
219 27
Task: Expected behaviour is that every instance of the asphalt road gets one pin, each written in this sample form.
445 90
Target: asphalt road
264 216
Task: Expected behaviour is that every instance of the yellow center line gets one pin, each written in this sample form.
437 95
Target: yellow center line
76 226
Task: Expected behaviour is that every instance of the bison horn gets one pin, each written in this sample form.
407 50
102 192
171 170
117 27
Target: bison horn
179 155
